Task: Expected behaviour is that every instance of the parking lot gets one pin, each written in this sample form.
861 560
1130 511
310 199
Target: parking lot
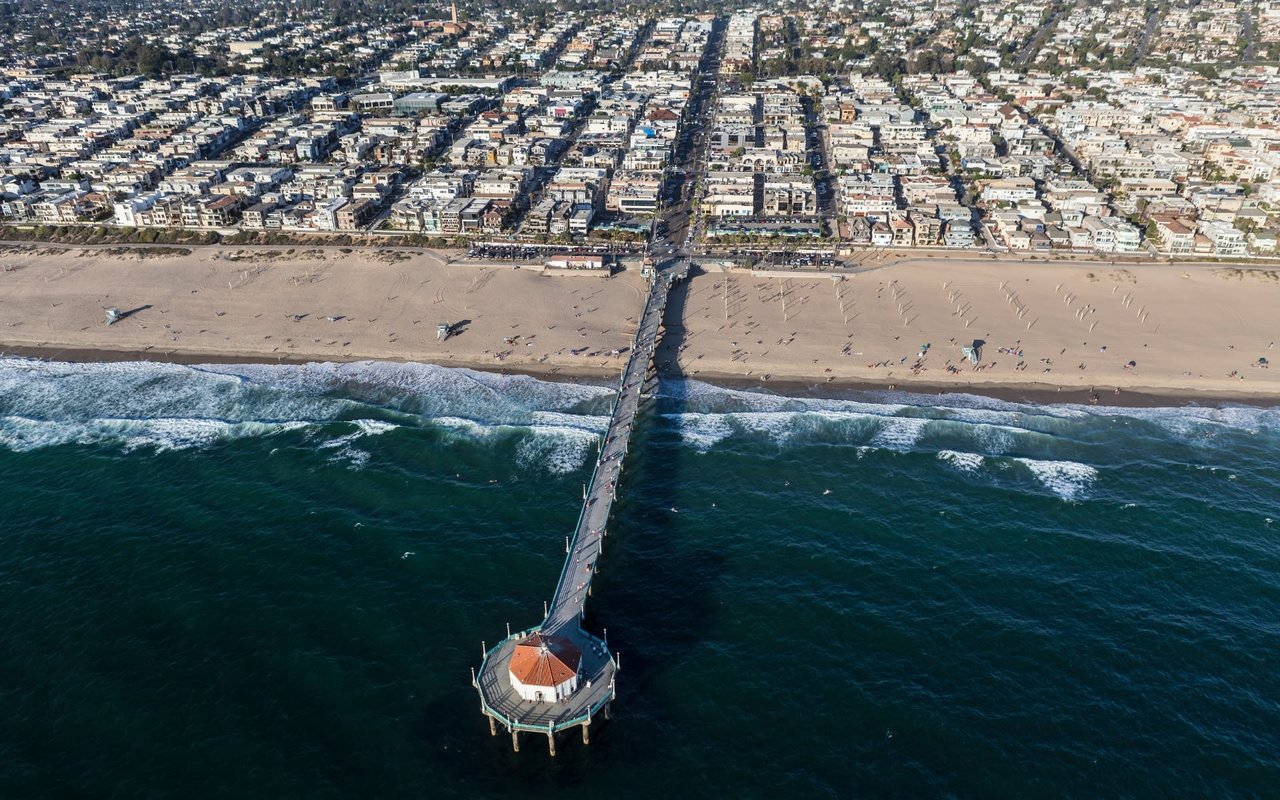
512 253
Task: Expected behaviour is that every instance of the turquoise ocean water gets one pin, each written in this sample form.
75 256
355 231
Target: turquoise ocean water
271 582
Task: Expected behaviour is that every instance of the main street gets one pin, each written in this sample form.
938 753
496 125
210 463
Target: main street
675 228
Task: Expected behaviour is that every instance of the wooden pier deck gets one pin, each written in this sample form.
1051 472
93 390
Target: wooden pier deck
575 579
498 698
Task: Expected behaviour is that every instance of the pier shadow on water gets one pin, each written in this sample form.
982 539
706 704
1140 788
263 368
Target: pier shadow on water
653 595
655 590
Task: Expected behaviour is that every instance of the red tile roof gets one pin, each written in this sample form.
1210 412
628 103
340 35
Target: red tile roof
545 660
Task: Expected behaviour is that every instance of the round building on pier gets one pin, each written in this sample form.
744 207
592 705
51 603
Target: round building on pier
544 668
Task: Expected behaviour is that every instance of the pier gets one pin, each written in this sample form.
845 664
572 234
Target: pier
556 676
570 675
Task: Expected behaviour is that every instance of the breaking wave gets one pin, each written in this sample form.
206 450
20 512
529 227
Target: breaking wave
157 407
900 421
965 462
1066 479
1062 447
160 434
153 408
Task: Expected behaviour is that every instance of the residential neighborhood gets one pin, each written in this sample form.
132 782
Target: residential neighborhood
1041 127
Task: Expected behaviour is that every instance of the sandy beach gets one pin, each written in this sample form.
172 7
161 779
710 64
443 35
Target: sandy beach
294 304
1187 331
1079 329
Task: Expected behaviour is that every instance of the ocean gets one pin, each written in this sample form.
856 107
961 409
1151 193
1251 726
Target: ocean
251 581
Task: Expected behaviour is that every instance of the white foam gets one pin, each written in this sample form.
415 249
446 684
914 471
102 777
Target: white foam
965 462
169 406
997 439
424 389
995 426
560 443
557 450
240 392
353 457
706 398
777 426
364 427
899 433
857 424
698 394
462 424
1191 422
556 419
137 390
182 434
374 427
1199 425
1066 479
702 431
340 441
705 430
160 435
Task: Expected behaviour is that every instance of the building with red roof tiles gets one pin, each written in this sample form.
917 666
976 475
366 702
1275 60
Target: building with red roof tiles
545 668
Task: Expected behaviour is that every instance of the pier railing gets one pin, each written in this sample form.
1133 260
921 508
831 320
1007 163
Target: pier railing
655 293
582 513
551 727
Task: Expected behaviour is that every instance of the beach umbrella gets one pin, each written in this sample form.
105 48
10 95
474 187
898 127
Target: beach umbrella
1133 363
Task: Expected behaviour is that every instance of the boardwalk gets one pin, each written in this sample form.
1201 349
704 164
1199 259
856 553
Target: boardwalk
499 700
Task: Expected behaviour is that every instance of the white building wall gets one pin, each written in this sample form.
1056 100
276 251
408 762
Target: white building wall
548 694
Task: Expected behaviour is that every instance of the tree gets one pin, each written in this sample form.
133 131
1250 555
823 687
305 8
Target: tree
887 65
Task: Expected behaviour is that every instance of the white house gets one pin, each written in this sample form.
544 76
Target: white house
1009 190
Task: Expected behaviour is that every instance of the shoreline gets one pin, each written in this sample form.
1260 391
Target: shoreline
1038 393
1047 334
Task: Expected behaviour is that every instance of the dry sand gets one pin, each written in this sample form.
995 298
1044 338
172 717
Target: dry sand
272 304
1190 330
1187 328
